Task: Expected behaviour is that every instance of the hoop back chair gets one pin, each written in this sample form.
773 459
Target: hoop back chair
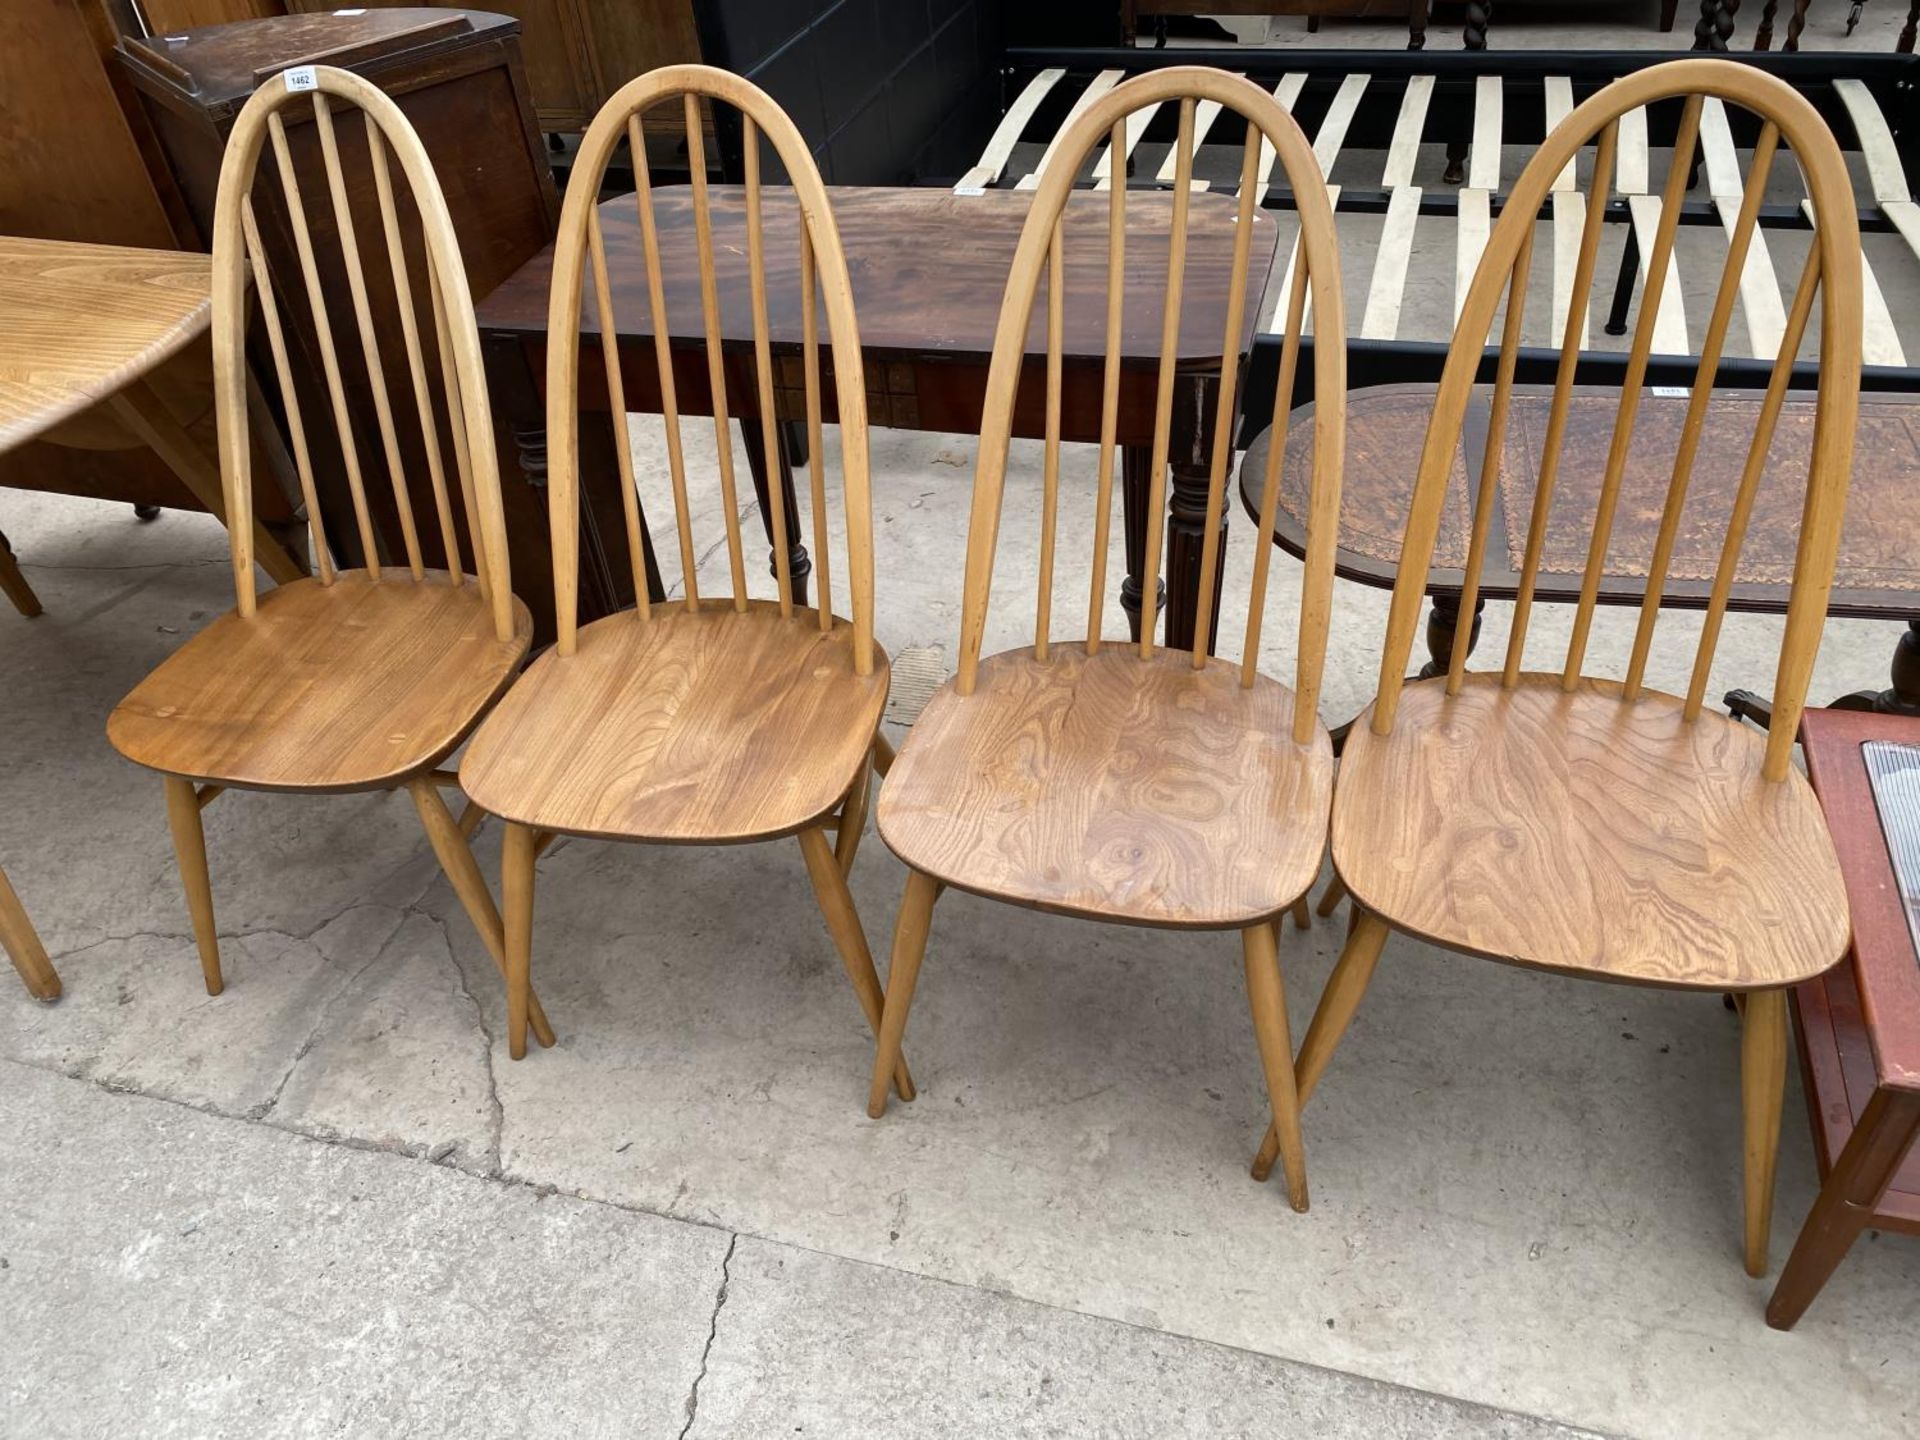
704 720
361 679
1125 781
1584 825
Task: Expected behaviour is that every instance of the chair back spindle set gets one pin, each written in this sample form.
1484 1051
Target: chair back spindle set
1655 842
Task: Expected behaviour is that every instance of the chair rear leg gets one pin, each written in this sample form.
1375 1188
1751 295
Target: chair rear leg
1267 996
23 946
450 848
1330 902
853 818
517 849
850 939
1763 1079
903 972
1345 989
190 850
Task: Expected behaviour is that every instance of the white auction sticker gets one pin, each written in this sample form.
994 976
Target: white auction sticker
1670 392
302 77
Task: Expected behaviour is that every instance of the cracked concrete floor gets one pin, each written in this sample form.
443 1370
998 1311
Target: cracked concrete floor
1526 1191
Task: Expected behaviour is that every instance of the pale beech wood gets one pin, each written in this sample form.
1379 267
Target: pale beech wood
1336 891
363 319
23 946
910 930
15 583
843 923
617 417
1109 406
357 685
816 446
207 794
1097 89
450 847
993 159
1302 914
1649 848
517 853
1267 997
1763 1081
763 367
190 849
883 754
716 361
1050 465
1163 394
716 727
852 820
1270 481
1143 792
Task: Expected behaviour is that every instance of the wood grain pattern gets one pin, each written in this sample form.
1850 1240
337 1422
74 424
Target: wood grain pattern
1139 791
1577 832
351 686
78 322
23 947
710 728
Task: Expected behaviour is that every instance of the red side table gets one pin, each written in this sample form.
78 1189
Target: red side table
1859 1026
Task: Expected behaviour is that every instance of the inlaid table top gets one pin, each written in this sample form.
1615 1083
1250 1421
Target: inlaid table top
928 268
1878 572
78 322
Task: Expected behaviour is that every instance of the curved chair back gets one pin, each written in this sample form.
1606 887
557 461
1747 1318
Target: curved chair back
1832 271
821 276
240 256
1271 134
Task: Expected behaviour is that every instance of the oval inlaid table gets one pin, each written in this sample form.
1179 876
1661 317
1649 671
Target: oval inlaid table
1877 576
83 325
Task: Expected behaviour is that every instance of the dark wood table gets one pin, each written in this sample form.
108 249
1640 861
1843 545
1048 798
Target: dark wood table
929 269
1877 576
1859 1027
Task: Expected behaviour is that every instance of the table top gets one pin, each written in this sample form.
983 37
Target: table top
928 269
1878 570
1886 970
78 322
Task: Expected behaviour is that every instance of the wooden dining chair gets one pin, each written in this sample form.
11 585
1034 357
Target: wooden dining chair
1126 781
1594 827
707 720
353 679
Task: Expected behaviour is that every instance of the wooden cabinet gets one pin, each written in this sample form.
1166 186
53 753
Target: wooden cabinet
578 52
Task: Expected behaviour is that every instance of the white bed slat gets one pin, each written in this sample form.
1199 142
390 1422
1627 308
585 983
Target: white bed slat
1569 223
1286 92
1884 169
1277 322
1204 114
1759 288
1483 167
993 159
1474 223
1630 168
1880 343
1333 129
1136 127
1405 145
1097 87
1559 94
1723 161
1670 321
1384 294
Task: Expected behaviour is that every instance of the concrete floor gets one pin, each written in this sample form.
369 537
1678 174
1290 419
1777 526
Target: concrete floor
328 1203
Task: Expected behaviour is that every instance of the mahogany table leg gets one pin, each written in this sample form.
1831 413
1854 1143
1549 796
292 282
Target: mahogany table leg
1479 16
1442 621
1903 698
799 563
1763 36
1136 471
1799 23
1715 26
1872 1156
15 584
1190 463
1417 24
1905 44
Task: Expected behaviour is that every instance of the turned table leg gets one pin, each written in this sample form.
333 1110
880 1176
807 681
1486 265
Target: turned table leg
1136 478
1190 465
1763 36
1873 1154
1798 22
1715 26
1905 44
1443 621
1479 16
799 563
1903 697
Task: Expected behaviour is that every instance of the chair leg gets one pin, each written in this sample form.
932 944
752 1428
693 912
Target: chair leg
517 847
883 753
1763 1079
1267 996
23 946
1338 1001
190 850
1330 902
14 584
463 873
843 921
1302 914
903 971
853 819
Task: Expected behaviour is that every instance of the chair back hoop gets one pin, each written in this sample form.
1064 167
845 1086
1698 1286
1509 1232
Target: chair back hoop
823 276
1833 269
239 257
1271 133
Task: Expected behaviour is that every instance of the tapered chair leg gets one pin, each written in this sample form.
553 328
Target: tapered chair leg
883 753
1268 998
1302 916
463 873
1336 892
23 945
903 971
1345 988
1763 1078
850 939
517 850
190 850
853 819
